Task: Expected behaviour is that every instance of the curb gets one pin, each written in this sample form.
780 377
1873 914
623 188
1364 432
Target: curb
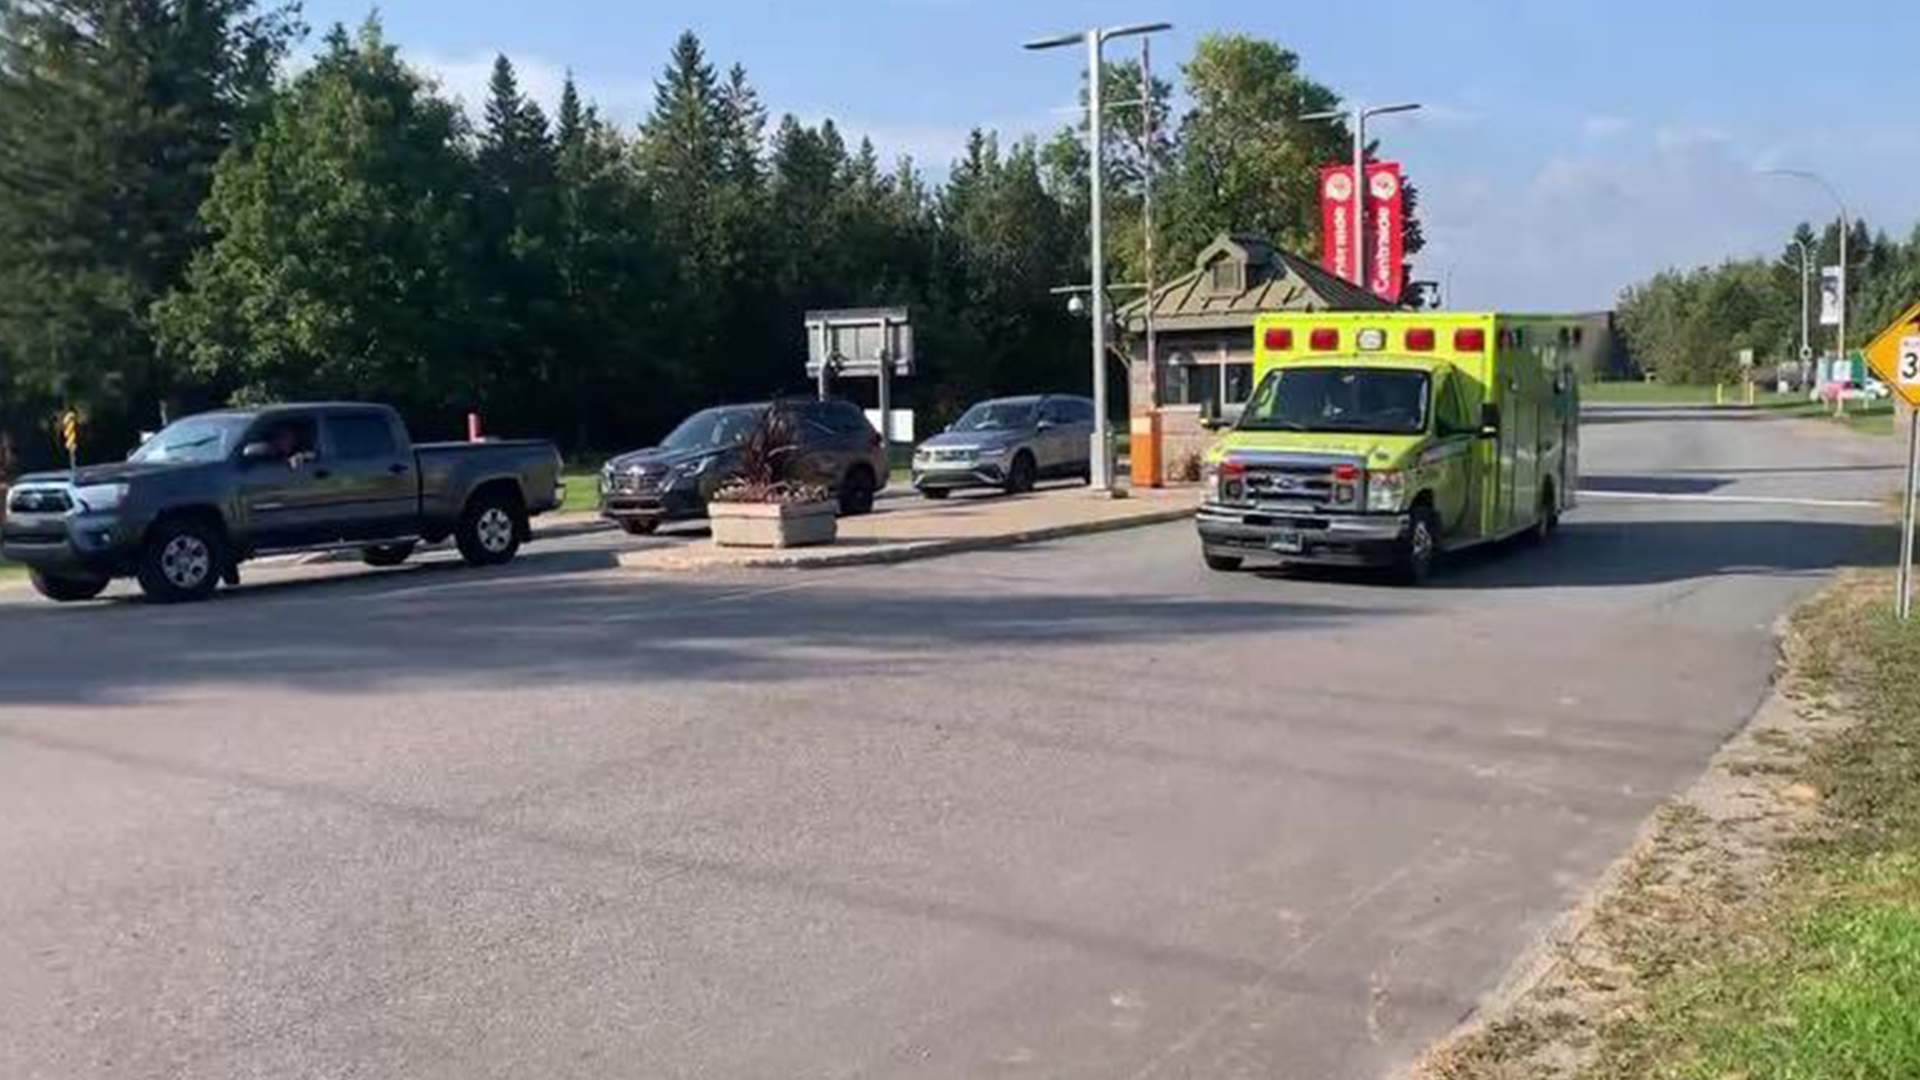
908 551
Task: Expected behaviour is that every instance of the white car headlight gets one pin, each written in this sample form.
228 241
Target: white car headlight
1386 491
98 497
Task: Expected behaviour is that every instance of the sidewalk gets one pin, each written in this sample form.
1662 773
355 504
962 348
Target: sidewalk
920 530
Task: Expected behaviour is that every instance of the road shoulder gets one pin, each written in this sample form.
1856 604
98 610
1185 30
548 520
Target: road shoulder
1727 941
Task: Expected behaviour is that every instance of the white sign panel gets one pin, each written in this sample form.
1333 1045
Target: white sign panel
902 424
1829 296
1909 370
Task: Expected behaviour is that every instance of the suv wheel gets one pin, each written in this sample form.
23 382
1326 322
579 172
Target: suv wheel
640 526
489 530
66 590
183 560
1021 474
856 493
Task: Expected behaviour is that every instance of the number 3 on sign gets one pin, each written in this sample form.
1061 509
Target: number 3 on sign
1910 361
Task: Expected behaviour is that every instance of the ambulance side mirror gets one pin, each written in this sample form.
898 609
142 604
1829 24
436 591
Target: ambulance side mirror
1210 415
1490 421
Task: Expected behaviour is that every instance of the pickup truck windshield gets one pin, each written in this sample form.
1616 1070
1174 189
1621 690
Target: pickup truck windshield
198 439
714 429
1379 401
996 416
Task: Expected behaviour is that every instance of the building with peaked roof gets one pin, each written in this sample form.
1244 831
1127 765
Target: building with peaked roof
1203 337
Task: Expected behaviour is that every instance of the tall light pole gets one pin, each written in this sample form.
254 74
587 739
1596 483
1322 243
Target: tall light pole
1840 337
1357 118
1096 39
1806 301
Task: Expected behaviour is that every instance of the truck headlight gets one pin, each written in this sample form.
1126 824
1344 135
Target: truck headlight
1386 491
96 498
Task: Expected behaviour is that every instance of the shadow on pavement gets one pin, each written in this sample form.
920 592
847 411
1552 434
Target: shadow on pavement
536 621
1656 485
1604 553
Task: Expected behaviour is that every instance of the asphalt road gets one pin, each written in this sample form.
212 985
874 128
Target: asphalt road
1075 810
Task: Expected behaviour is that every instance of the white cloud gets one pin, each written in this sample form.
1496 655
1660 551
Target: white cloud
1601 127
466 79
1584 224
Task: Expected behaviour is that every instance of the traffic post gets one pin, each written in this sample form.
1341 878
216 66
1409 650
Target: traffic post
70 437
1895 357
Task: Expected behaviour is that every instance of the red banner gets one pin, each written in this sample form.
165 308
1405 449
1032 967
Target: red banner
1386 239
1336 220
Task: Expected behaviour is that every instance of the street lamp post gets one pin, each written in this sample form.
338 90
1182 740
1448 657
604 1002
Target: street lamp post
1095 40
1358 117
1806 303
1840 334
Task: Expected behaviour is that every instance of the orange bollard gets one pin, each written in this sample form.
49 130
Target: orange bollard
1146 451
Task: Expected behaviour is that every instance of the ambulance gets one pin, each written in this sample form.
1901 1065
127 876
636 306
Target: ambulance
1390 439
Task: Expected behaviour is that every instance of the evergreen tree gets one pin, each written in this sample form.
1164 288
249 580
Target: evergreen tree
112 115
523 308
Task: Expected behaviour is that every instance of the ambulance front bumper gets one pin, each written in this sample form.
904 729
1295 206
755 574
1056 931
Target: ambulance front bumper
1309 537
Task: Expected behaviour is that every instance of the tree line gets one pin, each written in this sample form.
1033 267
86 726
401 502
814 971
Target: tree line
1689 326
185 222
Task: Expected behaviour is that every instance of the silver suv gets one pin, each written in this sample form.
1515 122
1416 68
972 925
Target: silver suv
1008 443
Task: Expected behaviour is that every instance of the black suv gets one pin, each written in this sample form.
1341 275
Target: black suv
837 449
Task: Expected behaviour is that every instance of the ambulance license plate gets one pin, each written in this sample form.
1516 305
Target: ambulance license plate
1287 542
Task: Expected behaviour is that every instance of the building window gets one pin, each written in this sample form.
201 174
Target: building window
1226 277
1196 383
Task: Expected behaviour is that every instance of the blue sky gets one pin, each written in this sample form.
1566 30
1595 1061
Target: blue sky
1568 149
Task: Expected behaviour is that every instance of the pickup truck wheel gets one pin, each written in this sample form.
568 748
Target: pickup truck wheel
182 561
1420 548
65 589
1225 564
489 531
387 554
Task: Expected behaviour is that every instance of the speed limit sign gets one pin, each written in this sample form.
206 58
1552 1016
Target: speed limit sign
1895 356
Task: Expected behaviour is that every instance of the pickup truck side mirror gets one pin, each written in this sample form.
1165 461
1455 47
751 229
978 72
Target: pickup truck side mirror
1044 425
1490 421
257 451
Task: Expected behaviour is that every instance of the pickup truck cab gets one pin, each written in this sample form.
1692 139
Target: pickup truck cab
1388 439
213 490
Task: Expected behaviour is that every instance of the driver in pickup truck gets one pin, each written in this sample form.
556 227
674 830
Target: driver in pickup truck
289 444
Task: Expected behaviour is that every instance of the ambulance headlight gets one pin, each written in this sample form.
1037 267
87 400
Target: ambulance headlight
1386 492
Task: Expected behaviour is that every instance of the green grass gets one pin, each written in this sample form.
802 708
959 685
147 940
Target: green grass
1645 393
1817 973
11 570
583 490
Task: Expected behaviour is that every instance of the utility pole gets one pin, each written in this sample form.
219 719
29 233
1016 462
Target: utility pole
1146 192
1095 40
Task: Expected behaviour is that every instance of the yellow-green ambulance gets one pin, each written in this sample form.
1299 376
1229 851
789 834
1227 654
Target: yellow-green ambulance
1388 439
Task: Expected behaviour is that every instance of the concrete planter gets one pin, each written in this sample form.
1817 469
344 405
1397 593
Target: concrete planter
774 525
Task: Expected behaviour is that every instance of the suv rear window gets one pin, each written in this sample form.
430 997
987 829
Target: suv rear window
838 417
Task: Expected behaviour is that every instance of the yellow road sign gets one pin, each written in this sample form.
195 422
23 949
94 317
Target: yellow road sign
1895 356
70 431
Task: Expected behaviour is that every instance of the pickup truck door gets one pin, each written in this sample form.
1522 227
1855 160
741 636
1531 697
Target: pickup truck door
374 488
285 499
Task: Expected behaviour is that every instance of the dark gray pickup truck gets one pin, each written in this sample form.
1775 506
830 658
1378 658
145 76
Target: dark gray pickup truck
213 490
